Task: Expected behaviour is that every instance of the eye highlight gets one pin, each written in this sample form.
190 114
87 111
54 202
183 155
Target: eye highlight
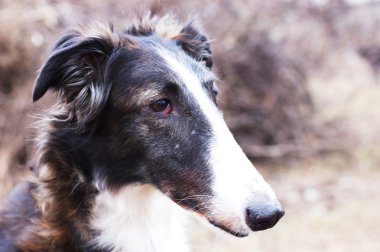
162 106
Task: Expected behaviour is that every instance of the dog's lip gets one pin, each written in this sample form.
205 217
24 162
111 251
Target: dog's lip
192 205
224 228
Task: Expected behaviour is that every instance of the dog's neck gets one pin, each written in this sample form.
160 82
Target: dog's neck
134 218
138 218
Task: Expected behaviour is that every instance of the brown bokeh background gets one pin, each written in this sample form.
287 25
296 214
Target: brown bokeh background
300 90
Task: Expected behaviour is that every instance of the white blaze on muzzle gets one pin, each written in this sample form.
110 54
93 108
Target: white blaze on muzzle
236 183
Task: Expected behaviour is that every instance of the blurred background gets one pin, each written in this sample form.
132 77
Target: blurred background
300 89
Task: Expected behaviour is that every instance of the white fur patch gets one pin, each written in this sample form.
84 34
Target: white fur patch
138 218
236 181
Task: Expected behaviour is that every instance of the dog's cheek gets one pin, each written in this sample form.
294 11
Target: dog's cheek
186 187
183 175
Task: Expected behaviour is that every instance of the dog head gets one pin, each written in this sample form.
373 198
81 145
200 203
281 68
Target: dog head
142 107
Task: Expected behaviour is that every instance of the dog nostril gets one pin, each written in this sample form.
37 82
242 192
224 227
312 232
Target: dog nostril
262 217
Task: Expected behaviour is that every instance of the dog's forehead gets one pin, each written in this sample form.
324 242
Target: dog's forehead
156 51
143 71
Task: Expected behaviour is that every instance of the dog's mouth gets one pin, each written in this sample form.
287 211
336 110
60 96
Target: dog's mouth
195 206
224 228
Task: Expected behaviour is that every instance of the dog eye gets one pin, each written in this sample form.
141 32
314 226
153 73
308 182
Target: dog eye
162 106
214 91
210 85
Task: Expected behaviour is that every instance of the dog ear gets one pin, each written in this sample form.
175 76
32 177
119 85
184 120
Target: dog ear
76 60
76 70
195 44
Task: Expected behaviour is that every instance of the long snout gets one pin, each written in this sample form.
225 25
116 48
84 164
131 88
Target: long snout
243 201
240 200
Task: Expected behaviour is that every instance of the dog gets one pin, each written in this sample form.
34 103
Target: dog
135 143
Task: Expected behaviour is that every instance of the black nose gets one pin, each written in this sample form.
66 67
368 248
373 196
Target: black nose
261 216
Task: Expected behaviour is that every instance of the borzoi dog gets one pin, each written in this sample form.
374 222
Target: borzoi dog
135 140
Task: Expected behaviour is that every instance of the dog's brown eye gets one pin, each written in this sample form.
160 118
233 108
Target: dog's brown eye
162 105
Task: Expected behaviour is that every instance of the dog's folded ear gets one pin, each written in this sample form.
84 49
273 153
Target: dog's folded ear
195 44
76 70
76 60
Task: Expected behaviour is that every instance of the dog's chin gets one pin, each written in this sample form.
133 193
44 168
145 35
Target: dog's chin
193 207
228 230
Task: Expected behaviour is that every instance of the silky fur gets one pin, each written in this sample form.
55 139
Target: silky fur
56 210
112 172
154 222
